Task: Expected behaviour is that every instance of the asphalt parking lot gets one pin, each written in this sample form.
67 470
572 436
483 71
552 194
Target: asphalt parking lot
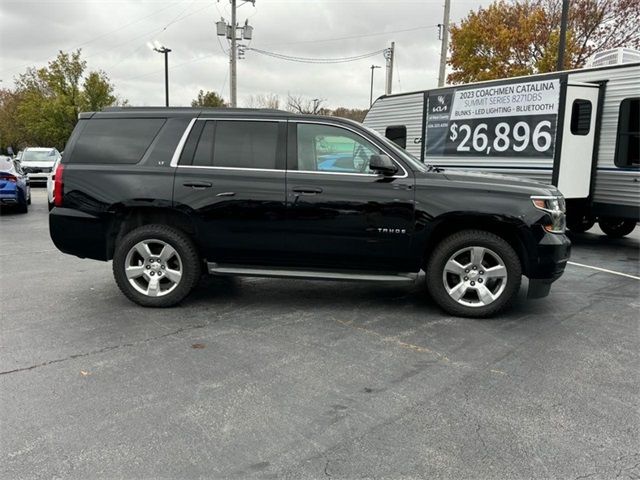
299 379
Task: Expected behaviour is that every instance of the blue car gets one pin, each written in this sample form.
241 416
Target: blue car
15 190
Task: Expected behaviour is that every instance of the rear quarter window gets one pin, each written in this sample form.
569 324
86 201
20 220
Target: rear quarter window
115 140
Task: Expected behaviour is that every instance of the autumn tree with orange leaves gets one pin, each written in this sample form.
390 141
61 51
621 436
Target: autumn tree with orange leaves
508 39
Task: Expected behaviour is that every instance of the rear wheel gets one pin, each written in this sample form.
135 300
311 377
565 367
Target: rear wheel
474 273
616 227
156 266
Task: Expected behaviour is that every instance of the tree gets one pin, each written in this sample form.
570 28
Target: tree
97 92
208 99
43 108
264 100
10 132
300 104
356 114
521 38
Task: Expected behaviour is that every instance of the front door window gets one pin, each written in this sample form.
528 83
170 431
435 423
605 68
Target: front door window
323 148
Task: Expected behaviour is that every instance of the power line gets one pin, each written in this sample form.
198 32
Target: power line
350 37
291 58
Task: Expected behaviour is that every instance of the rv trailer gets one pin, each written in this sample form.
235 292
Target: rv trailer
578 130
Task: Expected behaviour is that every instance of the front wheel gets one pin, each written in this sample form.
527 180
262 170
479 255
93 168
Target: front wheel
616 227
580 224
156 266
474 273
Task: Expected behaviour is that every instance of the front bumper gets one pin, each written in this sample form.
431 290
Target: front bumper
547 261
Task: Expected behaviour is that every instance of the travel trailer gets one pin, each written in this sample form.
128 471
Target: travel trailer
578 130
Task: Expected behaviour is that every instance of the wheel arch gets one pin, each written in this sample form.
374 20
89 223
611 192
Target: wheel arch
506 228
125 219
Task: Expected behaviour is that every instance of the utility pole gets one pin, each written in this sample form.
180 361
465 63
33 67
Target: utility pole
230 31
563 35
444 47
388 55
233 57
373 67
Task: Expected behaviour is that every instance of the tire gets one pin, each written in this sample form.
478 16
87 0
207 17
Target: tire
152 278
23 206
580 224
464 248
616 227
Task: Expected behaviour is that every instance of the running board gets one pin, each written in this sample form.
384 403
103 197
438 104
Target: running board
218 269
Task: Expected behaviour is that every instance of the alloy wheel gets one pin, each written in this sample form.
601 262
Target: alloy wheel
475 276
153 268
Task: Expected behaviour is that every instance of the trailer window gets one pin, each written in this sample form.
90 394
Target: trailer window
397 134
628 141
580 117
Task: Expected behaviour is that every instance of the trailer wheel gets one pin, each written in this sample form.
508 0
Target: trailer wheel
580 224
616 227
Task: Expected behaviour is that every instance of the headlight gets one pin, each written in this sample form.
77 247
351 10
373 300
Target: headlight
555 206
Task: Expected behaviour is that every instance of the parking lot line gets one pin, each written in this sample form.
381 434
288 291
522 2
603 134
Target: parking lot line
604 270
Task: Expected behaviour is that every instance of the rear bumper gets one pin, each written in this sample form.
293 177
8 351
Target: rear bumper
9 196
547 261
38 177
78 233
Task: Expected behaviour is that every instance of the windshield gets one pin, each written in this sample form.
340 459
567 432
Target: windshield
38 156
406 156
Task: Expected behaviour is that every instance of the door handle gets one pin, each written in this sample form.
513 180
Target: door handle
307 190
225 194
197 185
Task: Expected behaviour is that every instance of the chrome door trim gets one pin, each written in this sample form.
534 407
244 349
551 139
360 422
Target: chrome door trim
183 140
178 151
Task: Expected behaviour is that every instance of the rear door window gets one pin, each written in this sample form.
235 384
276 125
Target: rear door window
245 144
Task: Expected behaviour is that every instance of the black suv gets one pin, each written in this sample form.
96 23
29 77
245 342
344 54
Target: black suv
169 193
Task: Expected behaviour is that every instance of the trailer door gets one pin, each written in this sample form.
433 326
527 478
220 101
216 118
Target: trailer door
578 136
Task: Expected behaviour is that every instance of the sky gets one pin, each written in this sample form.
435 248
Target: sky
113 35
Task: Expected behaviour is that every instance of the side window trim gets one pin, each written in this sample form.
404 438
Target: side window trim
180 147
293 146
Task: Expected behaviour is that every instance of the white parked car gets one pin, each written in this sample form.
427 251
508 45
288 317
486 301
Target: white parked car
51 182
37 162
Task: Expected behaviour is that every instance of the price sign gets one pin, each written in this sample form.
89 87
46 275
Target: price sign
512 120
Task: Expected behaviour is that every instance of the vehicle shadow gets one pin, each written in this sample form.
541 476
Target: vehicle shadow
369 299
10 212
598 239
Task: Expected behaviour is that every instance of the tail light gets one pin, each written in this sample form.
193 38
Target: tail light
5 177
58 186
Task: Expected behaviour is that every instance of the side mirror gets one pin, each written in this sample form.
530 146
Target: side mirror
382 164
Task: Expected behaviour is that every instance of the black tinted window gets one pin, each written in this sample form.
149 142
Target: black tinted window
628 141
580 117
118 140
204 150
245 144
